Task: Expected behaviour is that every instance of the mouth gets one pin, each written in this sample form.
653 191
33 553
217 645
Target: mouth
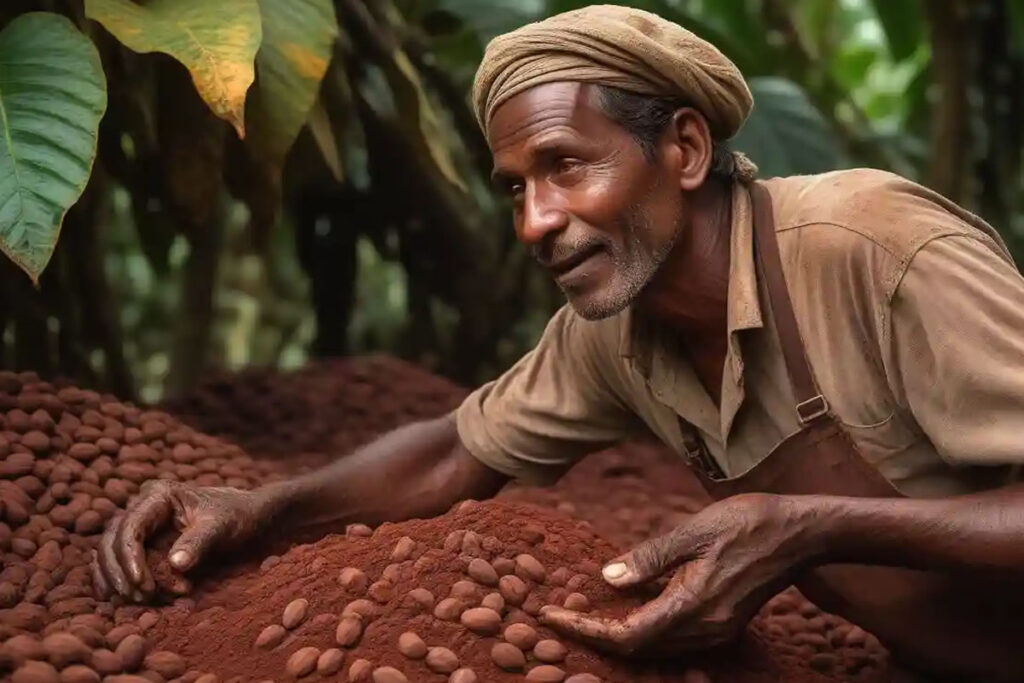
571 263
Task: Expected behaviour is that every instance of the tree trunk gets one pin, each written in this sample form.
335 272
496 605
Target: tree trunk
327 229
193 334
97 310
192 145
32 349
951 32
1001 83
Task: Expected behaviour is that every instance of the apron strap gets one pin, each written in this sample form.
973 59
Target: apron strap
811 404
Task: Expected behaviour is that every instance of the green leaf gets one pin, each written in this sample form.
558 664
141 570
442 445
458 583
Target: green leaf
323 135
737 29
786 134
52 96
298 36
817 20
903 25
418 113
215 40
851 64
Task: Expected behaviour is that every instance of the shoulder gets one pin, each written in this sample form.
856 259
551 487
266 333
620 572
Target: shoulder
869 220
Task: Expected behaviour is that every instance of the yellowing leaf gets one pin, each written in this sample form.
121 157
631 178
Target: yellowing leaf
216 40
417 111
298 37
323 134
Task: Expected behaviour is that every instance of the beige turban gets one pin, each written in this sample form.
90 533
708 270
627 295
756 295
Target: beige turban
621 47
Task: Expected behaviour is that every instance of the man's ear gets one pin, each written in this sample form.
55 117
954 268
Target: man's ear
692 136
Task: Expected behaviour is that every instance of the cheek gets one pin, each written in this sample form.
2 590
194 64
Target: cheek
665 210
602 204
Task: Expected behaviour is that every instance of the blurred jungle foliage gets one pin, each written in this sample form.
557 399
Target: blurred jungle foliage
355 213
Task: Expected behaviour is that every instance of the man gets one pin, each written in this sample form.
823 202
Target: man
869 341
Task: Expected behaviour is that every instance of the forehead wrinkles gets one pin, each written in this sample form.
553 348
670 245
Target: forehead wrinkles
554 113
536 124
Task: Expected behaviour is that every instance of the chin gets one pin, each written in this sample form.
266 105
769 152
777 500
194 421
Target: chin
597 305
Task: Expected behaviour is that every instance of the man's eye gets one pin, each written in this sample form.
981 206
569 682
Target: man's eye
516 190
567 165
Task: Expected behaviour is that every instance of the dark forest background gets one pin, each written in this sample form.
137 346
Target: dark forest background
355 215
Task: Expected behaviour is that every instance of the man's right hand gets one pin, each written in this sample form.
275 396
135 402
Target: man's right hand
207 517
426 461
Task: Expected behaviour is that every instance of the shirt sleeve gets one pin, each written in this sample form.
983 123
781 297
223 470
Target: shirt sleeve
551 408
958 345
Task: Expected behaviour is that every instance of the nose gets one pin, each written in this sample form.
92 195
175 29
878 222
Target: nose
541 215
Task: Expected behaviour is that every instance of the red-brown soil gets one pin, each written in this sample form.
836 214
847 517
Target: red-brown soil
70 459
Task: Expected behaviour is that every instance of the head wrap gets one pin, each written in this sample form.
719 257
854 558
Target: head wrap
624 48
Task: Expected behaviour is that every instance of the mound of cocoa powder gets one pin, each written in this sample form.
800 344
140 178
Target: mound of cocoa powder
640 490
328 406
71 458
456 582
629 493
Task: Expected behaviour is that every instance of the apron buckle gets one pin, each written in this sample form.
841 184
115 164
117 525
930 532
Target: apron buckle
811 409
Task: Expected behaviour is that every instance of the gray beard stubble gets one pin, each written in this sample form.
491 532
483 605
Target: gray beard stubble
635 268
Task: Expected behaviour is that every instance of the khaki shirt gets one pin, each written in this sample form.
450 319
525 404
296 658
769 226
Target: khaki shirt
911 311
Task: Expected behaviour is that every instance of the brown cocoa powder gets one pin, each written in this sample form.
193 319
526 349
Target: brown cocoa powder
98 451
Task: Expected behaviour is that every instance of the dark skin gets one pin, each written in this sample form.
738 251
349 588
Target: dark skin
616 229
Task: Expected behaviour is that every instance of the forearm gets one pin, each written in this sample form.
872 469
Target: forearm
977 532
418 470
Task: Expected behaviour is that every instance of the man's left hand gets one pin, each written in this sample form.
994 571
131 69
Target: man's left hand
730 558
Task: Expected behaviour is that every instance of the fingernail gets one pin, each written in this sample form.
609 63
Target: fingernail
615 571
179 558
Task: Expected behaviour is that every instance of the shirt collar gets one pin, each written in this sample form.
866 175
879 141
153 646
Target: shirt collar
638 334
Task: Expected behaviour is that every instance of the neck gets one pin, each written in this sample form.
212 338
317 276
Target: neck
690 292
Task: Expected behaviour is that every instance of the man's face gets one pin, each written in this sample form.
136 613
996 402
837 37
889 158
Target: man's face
592 208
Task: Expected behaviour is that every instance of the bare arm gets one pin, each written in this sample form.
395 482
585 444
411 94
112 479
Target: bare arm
426 462
981 532
415 471
727 560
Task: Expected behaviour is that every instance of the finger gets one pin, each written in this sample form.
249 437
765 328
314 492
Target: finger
657 616
109 563
99 582
602 633
195 540
145 518
649 560
179 586
639 630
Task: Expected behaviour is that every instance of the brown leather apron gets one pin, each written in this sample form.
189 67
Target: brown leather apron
935 622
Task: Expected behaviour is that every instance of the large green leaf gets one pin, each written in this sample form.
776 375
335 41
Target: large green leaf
786 134
52 97
418 114
323 135
298 36
216 40
903 25
817 21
